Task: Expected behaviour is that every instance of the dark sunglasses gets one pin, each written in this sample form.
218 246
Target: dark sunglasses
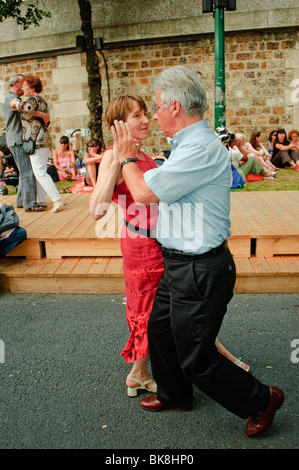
90 145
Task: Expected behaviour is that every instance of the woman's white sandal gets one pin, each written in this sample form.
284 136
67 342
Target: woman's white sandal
242 365
57 206
132 391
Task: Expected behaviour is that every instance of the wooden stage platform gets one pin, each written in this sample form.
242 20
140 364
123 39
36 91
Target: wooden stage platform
69 252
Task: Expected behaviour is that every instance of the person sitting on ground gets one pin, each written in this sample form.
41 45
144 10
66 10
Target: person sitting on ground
92 160
11 238
293 137
281 157
256 147
64 160
1 164
244 163
241 145
270 142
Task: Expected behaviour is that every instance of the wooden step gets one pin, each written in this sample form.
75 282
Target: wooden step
68 275
70 252
277 274
99 275
270 219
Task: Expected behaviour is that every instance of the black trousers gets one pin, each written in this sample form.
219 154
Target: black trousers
189 306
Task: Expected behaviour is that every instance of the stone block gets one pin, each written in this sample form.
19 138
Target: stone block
72 122
69 92
292 59
68 75
73 108
69 60
282 17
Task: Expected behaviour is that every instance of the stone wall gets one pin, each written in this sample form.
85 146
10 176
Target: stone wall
262 68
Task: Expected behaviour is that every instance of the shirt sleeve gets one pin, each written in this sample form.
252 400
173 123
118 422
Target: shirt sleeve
236 157
189 168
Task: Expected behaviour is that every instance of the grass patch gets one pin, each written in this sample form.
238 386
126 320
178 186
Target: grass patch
60 185
64 184
285 180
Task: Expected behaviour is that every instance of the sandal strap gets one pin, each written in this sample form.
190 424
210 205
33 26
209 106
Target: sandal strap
142 384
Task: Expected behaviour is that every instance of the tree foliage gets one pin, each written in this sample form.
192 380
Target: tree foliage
25 13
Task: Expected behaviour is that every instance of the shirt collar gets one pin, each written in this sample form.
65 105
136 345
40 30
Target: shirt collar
13 94
186 131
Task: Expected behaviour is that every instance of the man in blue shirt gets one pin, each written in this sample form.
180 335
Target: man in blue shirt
195 191
193 188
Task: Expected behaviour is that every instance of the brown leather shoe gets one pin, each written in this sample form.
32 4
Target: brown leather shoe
262 421
151 403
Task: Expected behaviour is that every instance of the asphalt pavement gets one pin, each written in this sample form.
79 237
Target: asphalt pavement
63 380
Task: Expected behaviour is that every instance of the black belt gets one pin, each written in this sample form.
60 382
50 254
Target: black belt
146 232
176 254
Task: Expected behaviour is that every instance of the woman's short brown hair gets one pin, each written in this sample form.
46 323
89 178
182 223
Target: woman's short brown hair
292 132
34 82
121 106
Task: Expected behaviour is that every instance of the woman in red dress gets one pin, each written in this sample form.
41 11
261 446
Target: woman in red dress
142 255
142 259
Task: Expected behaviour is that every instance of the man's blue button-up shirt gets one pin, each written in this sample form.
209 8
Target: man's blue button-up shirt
193 187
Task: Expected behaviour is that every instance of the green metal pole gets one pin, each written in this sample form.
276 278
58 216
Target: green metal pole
220 119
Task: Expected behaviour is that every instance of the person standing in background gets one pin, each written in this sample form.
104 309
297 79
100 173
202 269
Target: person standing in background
35 130
26 196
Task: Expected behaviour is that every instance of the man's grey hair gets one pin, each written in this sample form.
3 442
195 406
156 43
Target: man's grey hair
184 85
15 78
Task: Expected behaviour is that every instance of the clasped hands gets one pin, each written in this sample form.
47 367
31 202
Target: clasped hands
124 144
14 103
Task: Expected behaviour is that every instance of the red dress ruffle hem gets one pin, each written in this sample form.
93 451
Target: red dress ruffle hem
142 265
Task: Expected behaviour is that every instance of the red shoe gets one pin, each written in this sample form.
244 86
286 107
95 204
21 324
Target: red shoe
296 168
262 421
